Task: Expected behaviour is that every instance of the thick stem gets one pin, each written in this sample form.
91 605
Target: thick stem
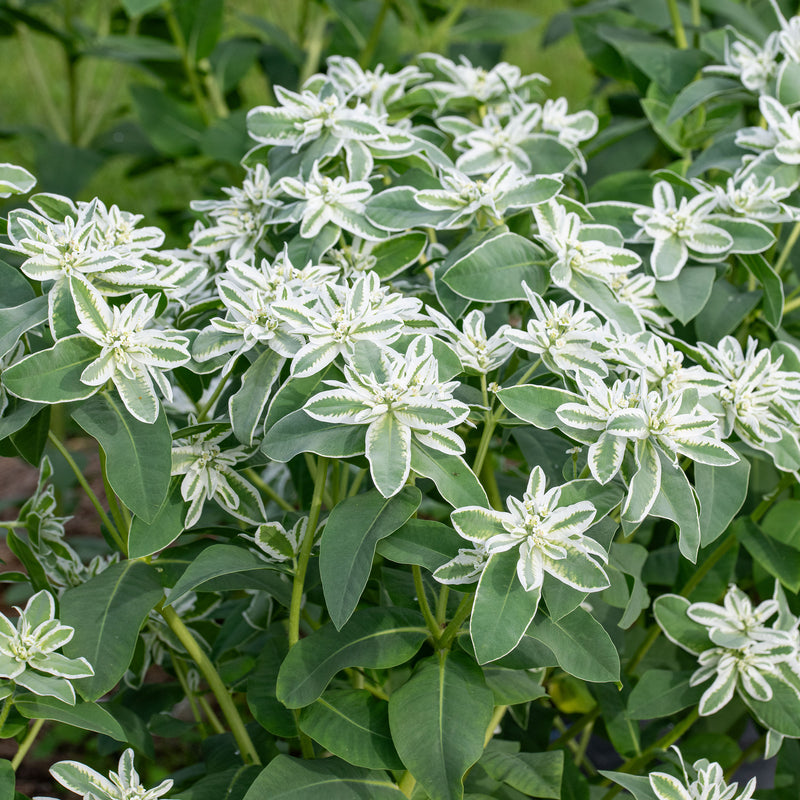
441 605
462 612
677 25
209 672
633 765
424 606
407 784
104 518
27 743
212 401
305 551
5 710
111 497
499 713
787 248
266 489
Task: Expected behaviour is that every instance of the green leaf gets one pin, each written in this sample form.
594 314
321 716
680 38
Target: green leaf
54 375
7 780
107 612
138 454
781 560
220 560
536 404
581 645
16 289
725 310
271 714
347 548
772 284
16 416
132 48
287 778
512 686
787 89
174 128
423 542
396 209
375 638
201 23
456 482
661 693
782 712
503 610
353 725
533 774
298 433
676 501
396 253
438 720
20 319
670 613
637 785
146 538
699 92
89 716
623 732
782 522
685 296
247 405
494 270
721 492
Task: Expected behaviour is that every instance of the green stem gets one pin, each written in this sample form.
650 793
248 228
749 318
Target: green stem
187 61
180 672
441 605
784 483
266 489
209 672
305 551
633 765
490 484
677 25
306 745
111 497
568 735
209 712
499 713
791 305
27 743
407 783
424 606
357 481
374 36
752 749
787 248
462 612
104 518
209 406
6 709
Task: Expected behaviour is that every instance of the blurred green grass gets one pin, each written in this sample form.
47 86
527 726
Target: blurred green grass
159 191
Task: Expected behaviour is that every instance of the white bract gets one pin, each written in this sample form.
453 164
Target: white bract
124 784
28 652
566 339
708 784
549 535
477 352
680 229
464 198
398 398
579 248
131 357
209 475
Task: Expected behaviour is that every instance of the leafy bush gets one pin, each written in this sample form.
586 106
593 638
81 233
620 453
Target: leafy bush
433 427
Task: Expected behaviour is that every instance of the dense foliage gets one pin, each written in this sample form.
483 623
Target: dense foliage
433 426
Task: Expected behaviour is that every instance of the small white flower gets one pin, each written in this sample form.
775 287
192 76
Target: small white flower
709 783
477 352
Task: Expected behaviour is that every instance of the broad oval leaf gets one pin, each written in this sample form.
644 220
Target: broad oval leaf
220 560
146 538
287 778
138 454
661 692
347 548
456 482
438 720
19 319
376 638
503 610
670 613
581 645
721 492
423 542
298 433
54 375
89 716
536 404
495 270
107 612
354 725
